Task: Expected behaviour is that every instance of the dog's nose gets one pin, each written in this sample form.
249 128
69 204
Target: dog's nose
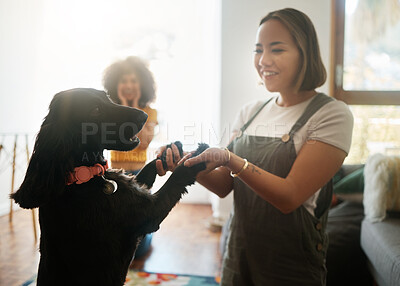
140 118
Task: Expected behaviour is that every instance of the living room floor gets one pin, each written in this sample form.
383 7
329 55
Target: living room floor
183 245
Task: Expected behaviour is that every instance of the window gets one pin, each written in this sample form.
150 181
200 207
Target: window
365 72
366 51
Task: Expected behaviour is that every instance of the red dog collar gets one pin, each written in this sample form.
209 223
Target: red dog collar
83 174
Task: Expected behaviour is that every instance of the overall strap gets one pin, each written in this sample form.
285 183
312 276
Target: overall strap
244 127
318 101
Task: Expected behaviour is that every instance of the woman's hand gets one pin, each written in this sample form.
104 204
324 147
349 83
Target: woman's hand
123 100
172 159
213 157
131 102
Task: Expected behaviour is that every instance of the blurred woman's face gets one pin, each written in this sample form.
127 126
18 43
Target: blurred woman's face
129 87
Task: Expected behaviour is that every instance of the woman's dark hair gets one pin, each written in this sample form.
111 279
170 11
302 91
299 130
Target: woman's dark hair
132 64
312 71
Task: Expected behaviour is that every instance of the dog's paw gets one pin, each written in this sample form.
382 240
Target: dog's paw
200 149
185 176
163 156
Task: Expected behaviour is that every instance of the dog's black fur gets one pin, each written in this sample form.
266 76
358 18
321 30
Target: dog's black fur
89 237
149 172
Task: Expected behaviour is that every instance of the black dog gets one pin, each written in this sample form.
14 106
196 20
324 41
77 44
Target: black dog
90 230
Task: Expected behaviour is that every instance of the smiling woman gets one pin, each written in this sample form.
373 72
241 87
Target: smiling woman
280 161
130 83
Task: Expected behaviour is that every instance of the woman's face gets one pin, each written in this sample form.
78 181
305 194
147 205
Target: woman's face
129 87
277 57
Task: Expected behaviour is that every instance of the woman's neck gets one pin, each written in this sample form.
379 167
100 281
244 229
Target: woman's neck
290 99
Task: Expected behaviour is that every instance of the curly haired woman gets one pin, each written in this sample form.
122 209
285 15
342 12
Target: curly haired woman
129 82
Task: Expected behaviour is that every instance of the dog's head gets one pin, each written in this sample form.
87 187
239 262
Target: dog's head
90 116
81 123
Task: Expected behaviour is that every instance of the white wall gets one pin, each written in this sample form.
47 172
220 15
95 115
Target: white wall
240 21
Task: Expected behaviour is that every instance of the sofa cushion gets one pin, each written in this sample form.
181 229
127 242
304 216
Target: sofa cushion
382 186
352 183
381 243
345 261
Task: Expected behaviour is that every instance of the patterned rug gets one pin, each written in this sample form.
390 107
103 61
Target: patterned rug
139 278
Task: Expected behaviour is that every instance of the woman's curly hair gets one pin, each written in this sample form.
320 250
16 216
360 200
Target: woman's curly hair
132 64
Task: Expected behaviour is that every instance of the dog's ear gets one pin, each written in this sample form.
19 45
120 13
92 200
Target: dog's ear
47 169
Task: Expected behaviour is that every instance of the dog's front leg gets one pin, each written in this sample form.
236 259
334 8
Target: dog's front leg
147 174
169 194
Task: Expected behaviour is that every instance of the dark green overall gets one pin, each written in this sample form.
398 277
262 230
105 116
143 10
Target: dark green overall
265 246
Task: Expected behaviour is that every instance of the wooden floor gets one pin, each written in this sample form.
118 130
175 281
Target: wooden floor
19 254
183 245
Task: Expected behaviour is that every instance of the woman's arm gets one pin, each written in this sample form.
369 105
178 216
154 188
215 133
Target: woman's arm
218 181
314 166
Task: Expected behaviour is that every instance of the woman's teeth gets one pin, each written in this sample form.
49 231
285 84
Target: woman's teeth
265 73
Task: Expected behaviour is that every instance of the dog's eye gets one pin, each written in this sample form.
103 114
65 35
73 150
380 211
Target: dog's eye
95 111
